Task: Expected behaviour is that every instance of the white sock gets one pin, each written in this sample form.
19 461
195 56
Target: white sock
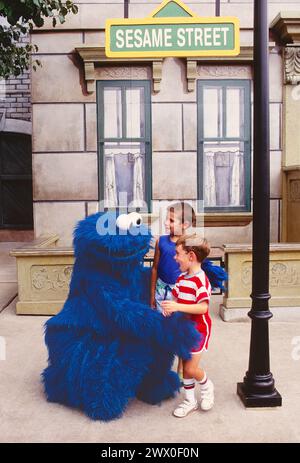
189 389
203 382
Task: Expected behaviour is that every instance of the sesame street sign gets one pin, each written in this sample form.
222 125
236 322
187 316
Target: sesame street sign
172 30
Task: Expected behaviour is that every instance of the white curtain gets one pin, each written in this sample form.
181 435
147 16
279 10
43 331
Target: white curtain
237 176
138 188
111 199
210 181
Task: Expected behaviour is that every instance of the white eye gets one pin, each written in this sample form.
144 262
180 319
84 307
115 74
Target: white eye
135 219
123 222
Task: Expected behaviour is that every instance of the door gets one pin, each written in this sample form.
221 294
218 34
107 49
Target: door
16 210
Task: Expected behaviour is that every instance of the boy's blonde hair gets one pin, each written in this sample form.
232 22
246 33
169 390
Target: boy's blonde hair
184 211
196 244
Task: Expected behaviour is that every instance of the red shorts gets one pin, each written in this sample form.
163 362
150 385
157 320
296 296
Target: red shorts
203 344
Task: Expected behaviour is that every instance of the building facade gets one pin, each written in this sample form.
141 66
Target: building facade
190 120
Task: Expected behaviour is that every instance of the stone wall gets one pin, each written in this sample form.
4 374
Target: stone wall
15 96
64 119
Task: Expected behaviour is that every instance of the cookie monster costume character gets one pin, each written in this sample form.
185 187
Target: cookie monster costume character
107 346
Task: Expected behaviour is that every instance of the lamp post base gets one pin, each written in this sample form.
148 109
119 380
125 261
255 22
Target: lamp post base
272 399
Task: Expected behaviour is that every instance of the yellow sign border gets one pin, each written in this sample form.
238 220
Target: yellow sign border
170 53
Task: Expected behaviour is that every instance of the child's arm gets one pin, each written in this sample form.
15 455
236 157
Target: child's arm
154 274
172 306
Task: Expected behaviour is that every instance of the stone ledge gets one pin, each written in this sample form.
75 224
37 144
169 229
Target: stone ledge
221 219
95 54
280 314
286 27
284 278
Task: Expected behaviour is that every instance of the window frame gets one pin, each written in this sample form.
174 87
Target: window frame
225 83
147 139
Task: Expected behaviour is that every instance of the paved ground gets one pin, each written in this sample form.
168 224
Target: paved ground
27 417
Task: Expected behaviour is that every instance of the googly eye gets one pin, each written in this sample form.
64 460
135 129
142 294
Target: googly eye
135 219
123 222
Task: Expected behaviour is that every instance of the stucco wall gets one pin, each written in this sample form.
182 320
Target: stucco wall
64 119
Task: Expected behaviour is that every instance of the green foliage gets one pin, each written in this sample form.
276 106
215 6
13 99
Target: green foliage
20 17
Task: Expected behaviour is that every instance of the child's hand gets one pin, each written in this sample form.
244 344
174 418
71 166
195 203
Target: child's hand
166 314
153 304
169 307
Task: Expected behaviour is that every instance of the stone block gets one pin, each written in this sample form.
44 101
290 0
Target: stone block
57 217
144 9
58 127
166 127
173 85
91 37
190 127
65 176
276 174
91 127
56 42
60 79
275 126
276 77
284 278
217 236
274 221
89 16
174 176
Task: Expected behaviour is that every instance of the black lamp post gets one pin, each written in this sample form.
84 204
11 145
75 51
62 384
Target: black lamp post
257 389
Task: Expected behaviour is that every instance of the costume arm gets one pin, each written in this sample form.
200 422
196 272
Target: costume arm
175 334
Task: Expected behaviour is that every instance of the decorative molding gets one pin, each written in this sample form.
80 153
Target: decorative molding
95 54
157 74
286 27
195 65
191 74
219 71
292 65
122 72
282 274
51 277
294 190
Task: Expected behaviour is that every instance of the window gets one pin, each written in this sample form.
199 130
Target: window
224 145
124 136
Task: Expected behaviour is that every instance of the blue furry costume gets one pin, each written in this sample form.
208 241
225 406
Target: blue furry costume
107 345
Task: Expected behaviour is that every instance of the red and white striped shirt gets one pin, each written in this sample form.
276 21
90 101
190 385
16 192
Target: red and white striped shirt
193 289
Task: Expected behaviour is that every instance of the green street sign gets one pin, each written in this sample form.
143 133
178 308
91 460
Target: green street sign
183 34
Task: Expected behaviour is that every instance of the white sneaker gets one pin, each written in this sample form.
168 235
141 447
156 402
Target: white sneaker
207 396
185 408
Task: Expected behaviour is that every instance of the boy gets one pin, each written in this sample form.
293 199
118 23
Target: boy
165 271
191 296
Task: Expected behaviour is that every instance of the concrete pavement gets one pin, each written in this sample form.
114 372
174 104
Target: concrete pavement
27 417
